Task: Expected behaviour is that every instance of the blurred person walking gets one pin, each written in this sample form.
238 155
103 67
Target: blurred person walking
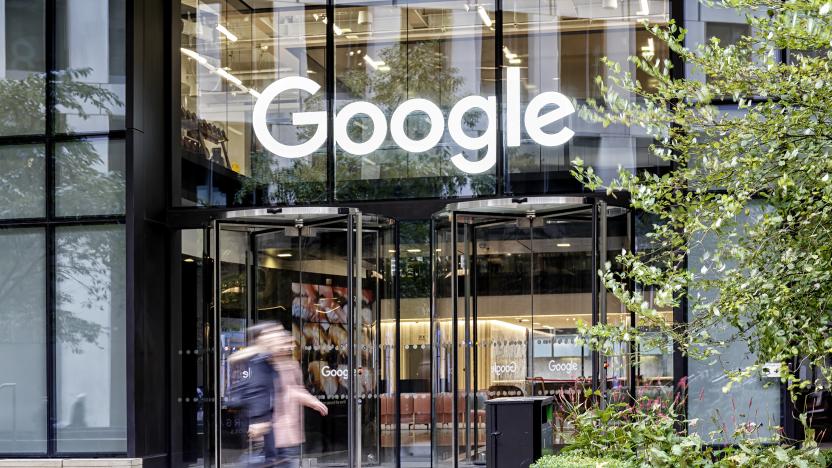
290 398
254 394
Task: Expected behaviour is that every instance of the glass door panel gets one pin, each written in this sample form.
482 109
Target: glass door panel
327 281
233 316
512 282
442 343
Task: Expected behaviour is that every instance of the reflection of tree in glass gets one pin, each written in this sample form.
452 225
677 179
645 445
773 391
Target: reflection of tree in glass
89 270
415 70
22 107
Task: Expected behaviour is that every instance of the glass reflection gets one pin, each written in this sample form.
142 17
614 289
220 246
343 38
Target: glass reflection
91 63
91 339
22 178
558 46
90 177
23 413
22 67
388 53
230 51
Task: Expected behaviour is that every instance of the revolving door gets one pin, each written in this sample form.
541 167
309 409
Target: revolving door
327 276
512 279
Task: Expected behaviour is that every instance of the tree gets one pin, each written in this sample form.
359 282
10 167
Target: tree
748 193
415 70
22 175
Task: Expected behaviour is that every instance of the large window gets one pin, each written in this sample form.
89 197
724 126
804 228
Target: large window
338 137
62 272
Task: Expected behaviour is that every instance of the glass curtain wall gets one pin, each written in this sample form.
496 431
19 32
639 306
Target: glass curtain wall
297 270
230 50
386 54
63 271
511 284
559 46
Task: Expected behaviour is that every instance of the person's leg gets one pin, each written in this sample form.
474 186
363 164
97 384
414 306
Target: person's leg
288 457
268 449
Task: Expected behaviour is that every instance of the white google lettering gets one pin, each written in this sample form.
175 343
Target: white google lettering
567 367
533 120
327 371
505 368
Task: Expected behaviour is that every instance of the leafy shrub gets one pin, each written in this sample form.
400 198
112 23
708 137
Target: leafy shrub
650 433
571 460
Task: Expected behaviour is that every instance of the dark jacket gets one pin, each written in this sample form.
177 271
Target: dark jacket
255 394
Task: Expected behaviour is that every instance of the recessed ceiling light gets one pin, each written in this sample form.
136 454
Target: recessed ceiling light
414 250
284 255
564 245
225 32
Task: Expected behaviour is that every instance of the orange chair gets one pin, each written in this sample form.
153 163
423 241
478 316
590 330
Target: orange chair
421 409
387 409
443 408
406 407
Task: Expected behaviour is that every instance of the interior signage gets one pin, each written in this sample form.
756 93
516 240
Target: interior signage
327 371
534 119
509 368
568 367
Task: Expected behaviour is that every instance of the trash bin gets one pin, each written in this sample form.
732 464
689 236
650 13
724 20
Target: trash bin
518 431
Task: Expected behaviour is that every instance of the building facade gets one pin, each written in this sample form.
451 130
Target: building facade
389 181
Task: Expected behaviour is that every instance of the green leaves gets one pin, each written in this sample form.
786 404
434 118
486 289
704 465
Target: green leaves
743 216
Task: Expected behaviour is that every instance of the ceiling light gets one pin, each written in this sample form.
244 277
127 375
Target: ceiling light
391 251
414 250
365 17
564 245
484 16
189 260
228 76
649 50
515 61
376 64
225 32
194 55
284 255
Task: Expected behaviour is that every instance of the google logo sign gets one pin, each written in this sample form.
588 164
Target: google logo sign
534 119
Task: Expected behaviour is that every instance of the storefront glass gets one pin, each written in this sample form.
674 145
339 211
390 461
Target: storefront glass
559 47
63 165
378 118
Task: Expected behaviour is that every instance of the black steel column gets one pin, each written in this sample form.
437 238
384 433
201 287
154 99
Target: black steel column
398 339
501 168
454 346
330 100
595 354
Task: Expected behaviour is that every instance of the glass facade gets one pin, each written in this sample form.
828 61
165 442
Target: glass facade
62 272
424 57
406 323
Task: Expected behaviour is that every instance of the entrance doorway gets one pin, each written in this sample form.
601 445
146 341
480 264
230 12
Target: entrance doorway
512 280
327 276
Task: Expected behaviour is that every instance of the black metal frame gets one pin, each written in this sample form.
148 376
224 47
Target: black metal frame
410 209
50 222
